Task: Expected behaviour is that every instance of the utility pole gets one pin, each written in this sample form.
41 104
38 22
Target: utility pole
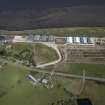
83 82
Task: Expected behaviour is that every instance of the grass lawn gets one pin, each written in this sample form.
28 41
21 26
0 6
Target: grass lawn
16 90
97 70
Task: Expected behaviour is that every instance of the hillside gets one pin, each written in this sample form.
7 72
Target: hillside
53 17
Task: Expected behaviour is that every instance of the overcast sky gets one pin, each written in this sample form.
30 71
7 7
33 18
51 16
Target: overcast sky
14 4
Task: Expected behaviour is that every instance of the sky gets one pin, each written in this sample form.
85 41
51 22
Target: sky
21 4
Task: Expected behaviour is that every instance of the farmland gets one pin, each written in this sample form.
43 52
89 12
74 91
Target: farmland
81 54
16 89
28 53
67 31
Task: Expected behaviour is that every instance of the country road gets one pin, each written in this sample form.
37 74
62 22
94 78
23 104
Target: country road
49 44
54 46
66 75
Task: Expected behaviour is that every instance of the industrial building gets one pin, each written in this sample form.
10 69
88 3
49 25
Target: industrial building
2 39
77 39
85 41
6 39
37 38
51 38
80 40
44 38
69 40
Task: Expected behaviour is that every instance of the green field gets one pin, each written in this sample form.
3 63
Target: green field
96 70
92 90
15 89
42 54
32 53
73 31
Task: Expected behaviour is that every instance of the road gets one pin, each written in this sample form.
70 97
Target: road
49 44
54 46
66 75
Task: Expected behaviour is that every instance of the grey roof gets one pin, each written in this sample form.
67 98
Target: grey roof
51 38
44 38
37 38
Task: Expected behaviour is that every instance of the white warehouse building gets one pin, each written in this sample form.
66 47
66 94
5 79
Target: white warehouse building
69 40
85 40
92 40
77 39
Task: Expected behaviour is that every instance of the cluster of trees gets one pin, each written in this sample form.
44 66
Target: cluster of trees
25 55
